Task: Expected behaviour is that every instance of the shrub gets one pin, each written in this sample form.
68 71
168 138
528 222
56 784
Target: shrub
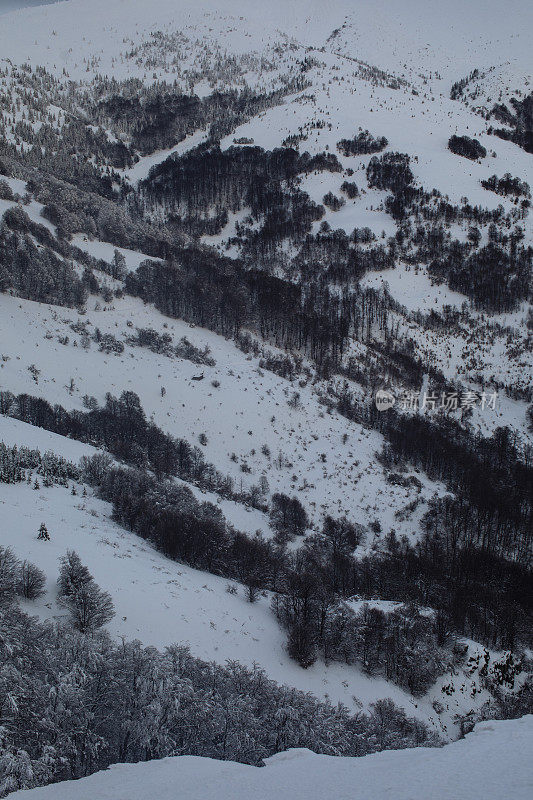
90 607
390 171
350 189
6 192
8 572
362 144
31 581
335 203
466 147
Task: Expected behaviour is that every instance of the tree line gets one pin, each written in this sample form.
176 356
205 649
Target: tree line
94 702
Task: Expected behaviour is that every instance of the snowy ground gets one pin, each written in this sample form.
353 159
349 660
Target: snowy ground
141 169
246 411
492 762
105 251
160 601
413 288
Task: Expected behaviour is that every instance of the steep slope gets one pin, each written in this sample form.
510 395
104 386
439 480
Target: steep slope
247 411
383 70
162 603
253 221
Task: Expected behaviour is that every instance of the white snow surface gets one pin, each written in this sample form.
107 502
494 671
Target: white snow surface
160 601
105 251
379 31
141 169
430 44
492 762
246 411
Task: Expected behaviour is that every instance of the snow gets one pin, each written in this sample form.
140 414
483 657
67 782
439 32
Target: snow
365 211
492 762
428 45
14 432
161 602
496 357
386 606
328 475
413 288
105 251
140 170
415 36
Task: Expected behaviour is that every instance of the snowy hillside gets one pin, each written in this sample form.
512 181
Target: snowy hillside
160 602
266 393
248 409
492 762
416 116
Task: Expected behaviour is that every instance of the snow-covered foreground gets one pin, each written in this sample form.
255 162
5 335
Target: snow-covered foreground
492 762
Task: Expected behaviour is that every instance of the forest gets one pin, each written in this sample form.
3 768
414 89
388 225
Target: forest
472 564
95 702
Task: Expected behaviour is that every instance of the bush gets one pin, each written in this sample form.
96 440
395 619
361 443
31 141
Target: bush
466 147
350 189
90 607
8 572
335 203
6 192
507 185
95 468
287 515
390 171
301 645
73 575
31 581
362 144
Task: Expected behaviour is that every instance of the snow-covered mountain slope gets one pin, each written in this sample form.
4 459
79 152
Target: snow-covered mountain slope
491 762
157 600
246 411
117 39
161 602
133 131
442 38
403 95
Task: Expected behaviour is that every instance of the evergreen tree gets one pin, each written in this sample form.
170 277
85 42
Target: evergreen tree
43 532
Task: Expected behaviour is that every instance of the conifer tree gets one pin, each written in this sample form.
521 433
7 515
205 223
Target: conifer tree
43 533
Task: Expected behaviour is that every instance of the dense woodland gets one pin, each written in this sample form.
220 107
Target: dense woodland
94 702
519 121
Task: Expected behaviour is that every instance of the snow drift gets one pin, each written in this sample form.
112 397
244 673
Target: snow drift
493 762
